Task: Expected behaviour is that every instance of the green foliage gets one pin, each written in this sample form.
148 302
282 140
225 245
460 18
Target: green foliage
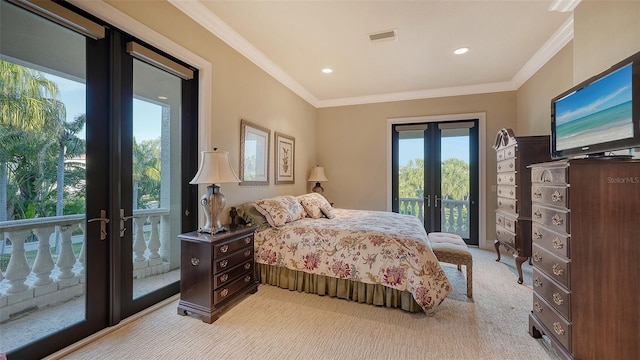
455 179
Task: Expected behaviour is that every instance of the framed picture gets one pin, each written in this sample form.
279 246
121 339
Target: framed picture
254 154
285 158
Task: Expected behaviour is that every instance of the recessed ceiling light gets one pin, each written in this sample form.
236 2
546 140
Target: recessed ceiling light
327 70
460 51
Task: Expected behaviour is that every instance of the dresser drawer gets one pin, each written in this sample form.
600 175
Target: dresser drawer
558 327
555 175
232 260
558 297
227 276
553 266
507 165
557 243
505 236
226 248
510 224
507 191
510 152
499 219
507 179
555 219
550 195
508 205
226 291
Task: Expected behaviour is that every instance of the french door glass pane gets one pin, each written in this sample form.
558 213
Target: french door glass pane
455 183
42 178
411 172
156 178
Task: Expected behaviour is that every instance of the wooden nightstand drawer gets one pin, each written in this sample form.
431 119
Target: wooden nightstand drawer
232 260
227 276
227 291
226 248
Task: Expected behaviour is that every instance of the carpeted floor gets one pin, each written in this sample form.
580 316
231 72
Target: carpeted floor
280 324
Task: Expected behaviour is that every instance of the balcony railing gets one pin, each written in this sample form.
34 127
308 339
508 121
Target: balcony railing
54 277
454 214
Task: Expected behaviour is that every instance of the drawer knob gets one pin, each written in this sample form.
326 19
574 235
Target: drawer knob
557 243
247 278
511 179
511 192
224 263
247 240
499 167
557 270
556 196
537 194
537 257
537 214
537 307
224 292
557 298
537 235
247 253
195 261
537 282
224 277
224 248
247 266
557 220
558 328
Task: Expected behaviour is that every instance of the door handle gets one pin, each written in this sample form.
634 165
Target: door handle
428 200
104 220
122 220
437 198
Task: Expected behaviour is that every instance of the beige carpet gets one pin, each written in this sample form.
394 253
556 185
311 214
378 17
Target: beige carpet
280 324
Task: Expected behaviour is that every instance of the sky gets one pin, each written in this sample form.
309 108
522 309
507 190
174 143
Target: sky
452 147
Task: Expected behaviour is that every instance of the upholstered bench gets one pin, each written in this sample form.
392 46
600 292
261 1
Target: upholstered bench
450 248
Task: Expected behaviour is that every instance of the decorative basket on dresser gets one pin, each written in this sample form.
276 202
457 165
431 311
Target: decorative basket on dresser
513 214
215 271
585 257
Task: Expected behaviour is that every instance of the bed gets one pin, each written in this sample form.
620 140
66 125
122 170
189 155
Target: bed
375 257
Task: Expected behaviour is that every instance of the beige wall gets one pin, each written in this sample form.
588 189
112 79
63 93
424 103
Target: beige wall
240 90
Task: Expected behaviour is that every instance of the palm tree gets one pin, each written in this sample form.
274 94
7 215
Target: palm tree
146 168
66 136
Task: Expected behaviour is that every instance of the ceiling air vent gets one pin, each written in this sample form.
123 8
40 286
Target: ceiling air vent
389 35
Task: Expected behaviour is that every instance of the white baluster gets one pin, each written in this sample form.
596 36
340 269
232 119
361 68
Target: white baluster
43 264
83 251
66 259
18 267
139 245
154 238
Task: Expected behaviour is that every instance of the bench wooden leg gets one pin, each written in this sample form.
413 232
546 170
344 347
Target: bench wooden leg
469 280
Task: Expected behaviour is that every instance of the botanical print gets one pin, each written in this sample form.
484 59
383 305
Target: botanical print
285 159
372 247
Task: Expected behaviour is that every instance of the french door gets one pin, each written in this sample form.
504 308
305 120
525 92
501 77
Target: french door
94 182
435 175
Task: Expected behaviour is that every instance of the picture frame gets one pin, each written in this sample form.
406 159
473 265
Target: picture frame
254 154
284 151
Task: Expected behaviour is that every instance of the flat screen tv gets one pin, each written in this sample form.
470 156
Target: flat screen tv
599 115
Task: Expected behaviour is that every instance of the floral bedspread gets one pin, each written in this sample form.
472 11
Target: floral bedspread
374 247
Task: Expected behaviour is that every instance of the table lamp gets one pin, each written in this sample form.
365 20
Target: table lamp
317 175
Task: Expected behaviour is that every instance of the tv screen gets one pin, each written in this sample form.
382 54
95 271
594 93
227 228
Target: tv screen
599 115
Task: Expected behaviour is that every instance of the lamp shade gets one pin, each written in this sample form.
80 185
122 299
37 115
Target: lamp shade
215 168
317 174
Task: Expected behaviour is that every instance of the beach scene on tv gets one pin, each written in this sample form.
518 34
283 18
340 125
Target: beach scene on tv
598 113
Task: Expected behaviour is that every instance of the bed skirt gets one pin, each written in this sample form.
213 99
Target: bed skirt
344 289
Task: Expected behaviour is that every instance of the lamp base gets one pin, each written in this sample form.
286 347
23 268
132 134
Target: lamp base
212 204
212 231
318 188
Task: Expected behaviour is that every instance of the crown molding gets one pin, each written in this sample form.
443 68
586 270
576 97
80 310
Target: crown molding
203 16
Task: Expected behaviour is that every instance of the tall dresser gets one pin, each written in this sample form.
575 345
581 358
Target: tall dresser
513 214
586 257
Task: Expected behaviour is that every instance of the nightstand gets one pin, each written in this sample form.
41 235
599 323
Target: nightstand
216 271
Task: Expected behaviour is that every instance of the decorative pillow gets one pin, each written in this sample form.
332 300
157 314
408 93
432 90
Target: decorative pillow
250 214
280 210
312 203
328 211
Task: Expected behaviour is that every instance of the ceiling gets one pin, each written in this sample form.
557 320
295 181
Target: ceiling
509 40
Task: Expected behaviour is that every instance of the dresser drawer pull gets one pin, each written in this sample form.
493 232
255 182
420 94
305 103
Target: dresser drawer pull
512 206
247 253
499 167
511 165
509 153
556 196
511 179
557 243
556 220
537 214
224 248
499 179
511 192
537 282
224 277
247 240
224 292
224 263
537 194
247 266
558 328
195 261
247 278
557 270
537 235
509 225
557 298
537 307
537 257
